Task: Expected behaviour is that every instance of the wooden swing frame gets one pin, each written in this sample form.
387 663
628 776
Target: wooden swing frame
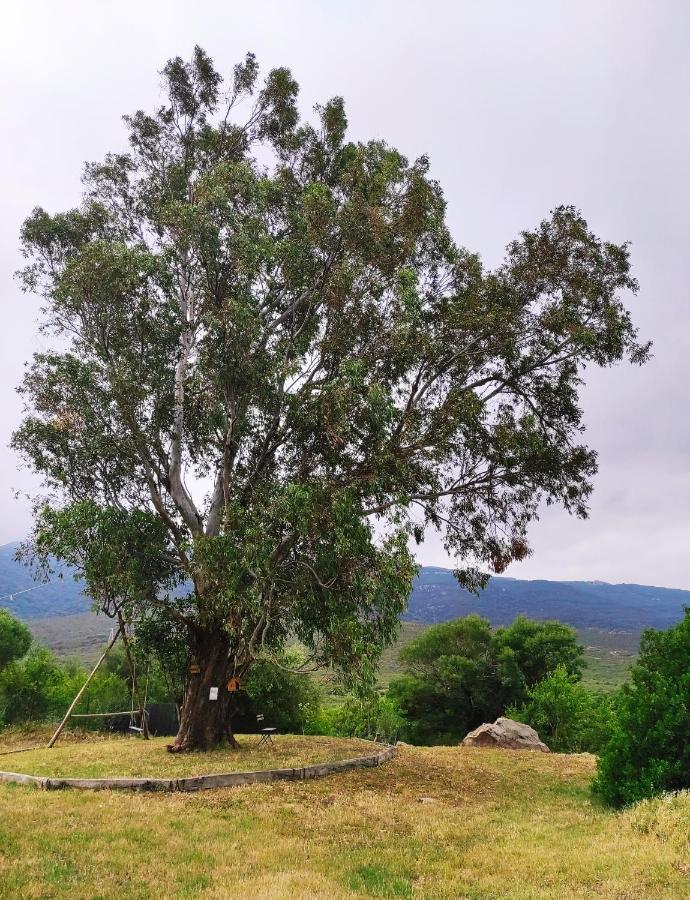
143 728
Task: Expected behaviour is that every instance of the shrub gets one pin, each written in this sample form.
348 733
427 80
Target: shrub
568 717
15 639
289 700
31 688
649 751
369 717
40 687
462 673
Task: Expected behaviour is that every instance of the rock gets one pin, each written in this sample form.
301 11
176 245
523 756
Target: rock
507 734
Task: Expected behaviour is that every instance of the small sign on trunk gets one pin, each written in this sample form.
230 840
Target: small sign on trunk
213 693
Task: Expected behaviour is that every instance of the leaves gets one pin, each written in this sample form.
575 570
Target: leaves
274 367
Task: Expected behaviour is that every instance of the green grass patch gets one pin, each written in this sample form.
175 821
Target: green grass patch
437 823
377 881
117 756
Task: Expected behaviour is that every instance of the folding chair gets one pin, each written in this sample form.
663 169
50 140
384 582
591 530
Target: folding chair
266 733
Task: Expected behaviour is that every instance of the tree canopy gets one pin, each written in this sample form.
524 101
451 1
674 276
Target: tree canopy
462 673
273 367
649 752
15 639
540 647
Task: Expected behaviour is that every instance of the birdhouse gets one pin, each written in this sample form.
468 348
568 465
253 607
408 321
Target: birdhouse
234 685
194 668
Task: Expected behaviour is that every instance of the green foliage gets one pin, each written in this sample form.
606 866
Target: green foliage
375 715
127 558
456 676
30 689
649 752
568 717
289 700
540 647
259 301
462 673
40 687
15 639
151 678
161 652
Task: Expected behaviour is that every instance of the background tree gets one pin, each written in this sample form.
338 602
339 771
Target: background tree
274 366
540 647
15 639
567 717
462 673
649 751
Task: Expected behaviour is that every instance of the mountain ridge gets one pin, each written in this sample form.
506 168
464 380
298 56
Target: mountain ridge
435 597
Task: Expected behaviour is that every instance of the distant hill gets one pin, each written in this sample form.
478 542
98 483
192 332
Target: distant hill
437 597
609 617
32 599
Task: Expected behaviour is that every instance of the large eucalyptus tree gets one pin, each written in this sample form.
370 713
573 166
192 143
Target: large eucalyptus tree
274 368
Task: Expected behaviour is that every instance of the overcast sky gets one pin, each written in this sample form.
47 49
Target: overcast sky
521 105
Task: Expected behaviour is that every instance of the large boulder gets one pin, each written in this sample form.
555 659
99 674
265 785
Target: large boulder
505 733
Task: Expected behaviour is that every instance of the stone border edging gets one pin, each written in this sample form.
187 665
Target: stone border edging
202 782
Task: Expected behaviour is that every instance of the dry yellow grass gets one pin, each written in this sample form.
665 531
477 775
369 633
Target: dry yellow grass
117 756
667 818
435 823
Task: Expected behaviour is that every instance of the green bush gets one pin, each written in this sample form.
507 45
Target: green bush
649 752
15 639
462 673
30 688
40 688
376 716
289 700
567 717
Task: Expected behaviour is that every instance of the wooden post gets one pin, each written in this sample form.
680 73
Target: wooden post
83 688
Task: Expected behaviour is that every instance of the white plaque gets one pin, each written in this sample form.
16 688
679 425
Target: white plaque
213 693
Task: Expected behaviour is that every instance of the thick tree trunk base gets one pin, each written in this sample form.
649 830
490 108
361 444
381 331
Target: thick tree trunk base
205 723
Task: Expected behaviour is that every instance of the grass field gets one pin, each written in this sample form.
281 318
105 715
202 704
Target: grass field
609 655
99 756
434 823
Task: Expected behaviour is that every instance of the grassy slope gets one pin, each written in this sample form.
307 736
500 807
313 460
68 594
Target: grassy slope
609 653
81 636
435 823
110 755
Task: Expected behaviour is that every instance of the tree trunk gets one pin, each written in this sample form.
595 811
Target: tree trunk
205 723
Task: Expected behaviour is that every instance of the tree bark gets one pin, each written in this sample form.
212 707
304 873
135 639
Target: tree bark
205 723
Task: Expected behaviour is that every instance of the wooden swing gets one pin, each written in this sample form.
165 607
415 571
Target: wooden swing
142 728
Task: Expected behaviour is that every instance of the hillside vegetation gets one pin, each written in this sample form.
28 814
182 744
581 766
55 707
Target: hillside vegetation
608 655
435 823
437 597
609 618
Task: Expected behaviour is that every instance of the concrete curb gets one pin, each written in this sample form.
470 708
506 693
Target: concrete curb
202 782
